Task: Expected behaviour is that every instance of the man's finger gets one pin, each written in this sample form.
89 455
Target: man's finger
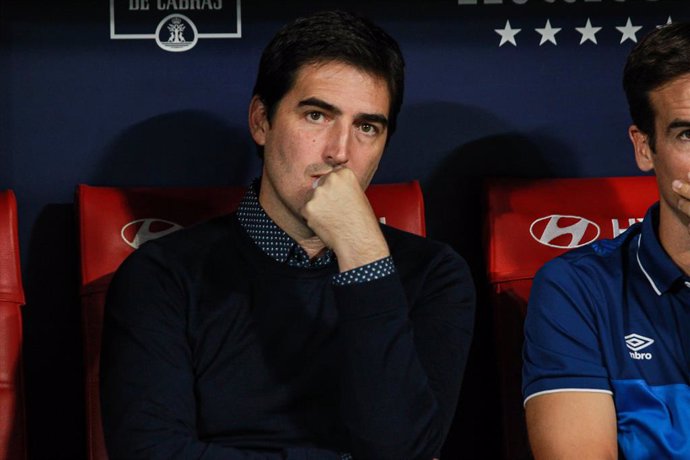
684 206
681 188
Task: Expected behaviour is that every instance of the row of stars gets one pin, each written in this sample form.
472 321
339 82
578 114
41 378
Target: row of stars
588 32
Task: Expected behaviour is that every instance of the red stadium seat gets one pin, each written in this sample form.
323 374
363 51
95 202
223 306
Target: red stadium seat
12 424
114 221
529 222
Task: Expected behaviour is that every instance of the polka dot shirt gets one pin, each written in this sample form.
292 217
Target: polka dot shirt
273 241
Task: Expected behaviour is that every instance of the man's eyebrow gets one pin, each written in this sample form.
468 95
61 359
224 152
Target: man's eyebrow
316 102
373 118
678 124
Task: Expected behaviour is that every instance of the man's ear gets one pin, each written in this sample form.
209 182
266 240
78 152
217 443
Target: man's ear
644 155
258 120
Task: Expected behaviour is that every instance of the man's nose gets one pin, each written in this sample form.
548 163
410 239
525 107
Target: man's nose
337 151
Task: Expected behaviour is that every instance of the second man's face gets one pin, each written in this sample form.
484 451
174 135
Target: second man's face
670 158
334 116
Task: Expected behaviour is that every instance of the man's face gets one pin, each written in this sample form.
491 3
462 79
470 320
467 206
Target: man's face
671 157
334 116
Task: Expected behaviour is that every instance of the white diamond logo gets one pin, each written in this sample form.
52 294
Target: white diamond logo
637 342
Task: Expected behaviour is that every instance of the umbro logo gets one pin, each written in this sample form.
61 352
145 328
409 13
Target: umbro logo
637 342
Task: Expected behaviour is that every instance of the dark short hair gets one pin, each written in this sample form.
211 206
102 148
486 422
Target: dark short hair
326 37
661 56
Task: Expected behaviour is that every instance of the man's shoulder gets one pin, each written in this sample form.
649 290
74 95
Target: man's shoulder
405 243
190 243
417 254
602 258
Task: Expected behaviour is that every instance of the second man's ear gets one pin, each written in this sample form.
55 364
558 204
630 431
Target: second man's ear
258 120
644 153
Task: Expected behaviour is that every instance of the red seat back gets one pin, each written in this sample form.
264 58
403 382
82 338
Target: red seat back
529 222
12 424
114 221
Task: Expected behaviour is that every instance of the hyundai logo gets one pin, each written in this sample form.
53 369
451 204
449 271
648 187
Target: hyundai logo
564 232
140 231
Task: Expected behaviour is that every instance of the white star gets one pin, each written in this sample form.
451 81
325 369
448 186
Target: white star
588 32
548 33
669 21
629 31
507 34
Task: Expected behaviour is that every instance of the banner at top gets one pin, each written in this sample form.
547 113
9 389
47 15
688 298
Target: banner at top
175 25
523 2
551 23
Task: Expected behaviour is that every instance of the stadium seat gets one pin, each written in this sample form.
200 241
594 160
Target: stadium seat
12 422
529 222
113 222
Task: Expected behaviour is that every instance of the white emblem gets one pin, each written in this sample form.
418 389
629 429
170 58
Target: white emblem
176 32
146 230
581 232
637 342
137 20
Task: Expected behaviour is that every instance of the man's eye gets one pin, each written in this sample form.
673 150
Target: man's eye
315 116
685 135
366 128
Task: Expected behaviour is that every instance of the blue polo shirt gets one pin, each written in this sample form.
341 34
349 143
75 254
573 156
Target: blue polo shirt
614 317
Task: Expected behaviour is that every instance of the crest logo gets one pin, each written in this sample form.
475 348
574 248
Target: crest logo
175 25
140 231
564 232
176 33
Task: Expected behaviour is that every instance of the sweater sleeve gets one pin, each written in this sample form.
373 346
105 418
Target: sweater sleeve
404 356
147 378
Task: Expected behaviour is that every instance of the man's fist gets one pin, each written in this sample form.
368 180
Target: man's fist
341 216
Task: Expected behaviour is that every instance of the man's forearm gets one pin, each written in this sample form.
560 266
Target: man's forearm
390 406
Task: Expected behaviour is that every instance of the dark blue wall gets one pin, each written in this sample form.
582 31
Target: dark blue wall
78 107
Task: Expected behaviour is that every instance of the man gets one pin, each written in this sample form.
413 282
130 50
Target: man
298 327
607 335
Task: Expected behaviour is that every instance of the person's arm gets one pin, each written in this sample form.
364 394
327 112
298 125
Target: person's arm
403 358
572 425
147 379
403 364
569 405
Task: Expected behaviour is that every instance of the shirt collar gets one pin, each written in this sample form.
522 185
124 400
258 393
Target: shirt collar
659 269
270 238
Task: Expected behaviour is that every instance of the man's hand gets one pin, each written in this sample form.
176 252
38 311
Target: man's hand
682 189
341 216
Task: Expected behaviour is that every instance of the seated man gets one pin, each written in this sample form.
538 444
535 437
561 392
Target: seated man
297 327
607 335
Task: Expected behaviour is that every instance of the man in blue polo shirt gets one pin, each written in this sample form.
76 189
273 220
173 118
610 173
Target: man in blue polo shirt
607 335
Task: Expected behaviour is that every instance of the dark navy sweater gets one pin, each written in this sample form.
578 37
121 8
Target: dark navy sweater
213 350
